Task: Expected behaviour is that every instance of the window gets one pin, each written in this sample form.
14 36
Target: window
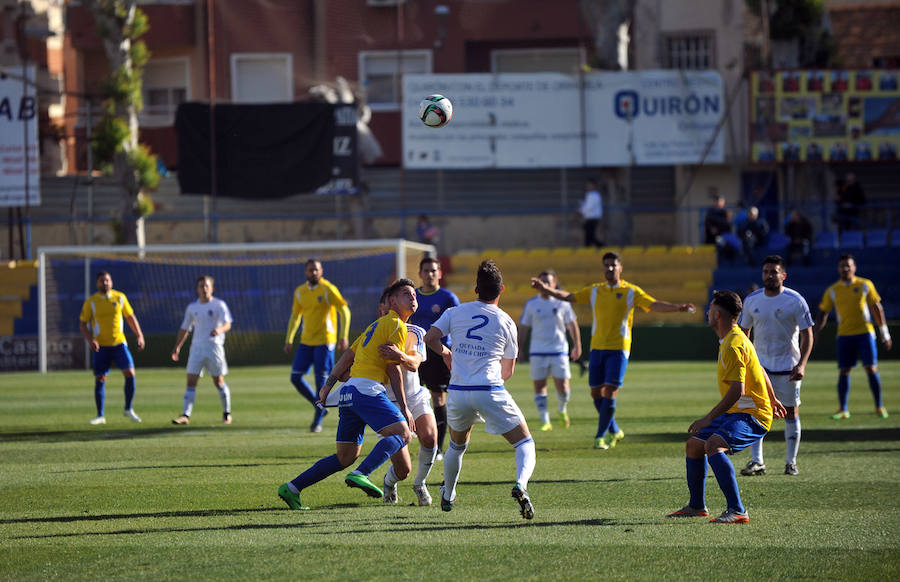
380 72
262 78
554 60
165 87
688 51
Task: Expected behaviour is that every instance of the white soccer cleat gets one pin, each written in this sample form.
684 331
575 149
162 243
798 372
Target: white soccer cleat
98 420
390 494
423 495
130 414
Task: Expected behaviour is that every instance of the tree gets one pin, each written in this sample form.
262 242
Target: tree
120 24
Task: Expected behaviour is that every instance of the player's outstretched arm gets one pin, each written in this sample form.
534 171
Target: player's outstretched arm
560 294
666 307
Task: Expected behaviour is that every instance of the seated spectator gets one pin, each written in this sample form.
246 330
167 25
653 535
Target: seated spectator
754 233
426 231
799 229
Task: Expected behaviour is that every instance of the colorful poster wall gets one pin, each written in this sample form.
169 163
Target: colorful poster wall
824 115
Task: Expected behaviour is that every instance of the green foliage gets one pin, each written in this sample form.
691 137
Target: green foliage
162 502
144 163
109 136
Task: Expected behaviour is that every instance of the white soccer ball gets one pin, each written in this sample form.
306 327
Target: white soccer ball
435 111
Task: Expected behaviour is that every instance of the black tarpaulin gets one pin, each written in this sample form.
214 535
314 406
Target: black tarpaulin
262 151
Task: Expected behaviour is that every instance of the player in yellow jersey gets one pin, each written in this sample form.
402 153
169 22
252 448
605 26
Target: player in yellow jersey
102 316
612 304
741 417
363 401
856 305
318 303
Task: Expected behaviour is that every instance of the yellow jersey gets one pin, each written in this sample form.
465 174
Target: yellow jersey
613 311
738 362
105 316
851 302
317 306
367 362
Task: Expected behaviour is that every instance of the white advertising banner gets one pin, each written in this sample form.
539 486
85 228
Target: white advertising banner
538 120
18 128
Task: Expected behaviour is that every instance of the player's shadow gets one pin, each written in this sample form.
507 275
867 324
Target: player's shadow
185 466
53 436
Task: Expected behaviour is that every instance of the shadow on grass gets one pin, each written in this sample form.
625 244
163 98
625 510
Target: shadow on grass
157 467
369 526
86 435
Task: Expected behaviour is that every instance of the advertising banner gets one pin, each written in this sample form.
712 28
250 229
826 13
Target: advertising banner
18 129
834 115
552 120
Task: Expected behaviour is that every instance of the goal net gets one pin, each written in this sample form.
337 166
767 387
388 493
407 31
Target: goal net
256 280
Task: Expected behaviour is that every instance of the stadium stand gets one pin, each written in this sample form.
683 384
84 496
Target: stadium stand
17 285
826 240
877 238
679 274
852 239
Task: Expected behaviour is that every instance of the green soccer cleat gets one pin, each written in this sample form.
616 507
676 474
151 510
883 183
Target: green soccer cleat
289 497
881 411
565 420
612 439
599 443
840 415
360 481
546 427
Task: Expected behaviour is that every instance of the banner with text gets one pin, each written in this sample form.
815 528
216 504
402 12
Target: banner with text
835 115
535 120
20 177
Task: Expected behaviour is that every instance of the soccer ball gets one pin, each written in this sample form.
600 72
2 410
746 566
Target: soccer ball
435 111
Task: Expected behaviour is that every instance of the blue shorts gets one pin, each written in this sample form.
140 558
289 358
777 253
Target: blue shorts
739 430
107 354
321 358
607 367
357 410
856 347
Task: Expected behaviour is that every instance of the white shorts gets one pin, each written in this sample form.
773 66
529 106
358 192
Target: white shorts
496 408
544 366
788 391
209 356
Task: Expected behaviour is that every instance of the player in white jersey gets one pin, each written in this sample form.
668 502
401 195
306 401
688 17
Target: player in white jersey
483 357
210 319
549 318
783 336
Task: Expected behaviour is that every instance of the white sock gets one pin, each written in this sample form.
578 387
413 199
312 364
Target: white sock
225 398
756 449
452 466
540 400
791 439
390 478
525 461
190 394
424 463
561 401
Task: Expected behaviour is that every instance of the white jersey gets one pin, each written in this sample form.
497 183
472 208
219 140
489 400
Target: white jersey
776 323
482 335
205 317
411 385
547 319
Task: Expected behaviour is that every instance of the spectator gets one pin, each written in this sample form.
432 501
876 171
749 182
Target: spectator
591 210
754 233
717 220
850 200
426 232
799 229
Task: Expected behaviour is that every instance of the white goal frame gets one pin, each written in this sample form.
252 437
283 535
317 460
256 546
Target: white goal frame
401 246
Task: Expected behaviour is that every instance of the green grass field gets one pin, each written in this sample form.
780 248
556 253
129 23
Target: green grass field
160 502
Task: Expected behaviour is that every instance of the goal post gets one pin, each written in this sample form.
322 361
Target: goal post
257 281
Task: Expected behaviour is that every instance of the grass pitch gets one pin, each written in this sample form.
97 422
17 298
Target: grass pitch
162 502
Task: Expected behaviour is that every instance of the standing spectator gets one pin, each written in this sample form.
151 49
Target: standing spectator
850 200
427 232
101 321
799 229
591 210
856 304
717 221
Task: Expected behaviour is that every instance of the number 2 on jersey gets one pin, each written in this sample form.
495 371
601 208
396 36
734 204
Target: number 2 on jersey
484 321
